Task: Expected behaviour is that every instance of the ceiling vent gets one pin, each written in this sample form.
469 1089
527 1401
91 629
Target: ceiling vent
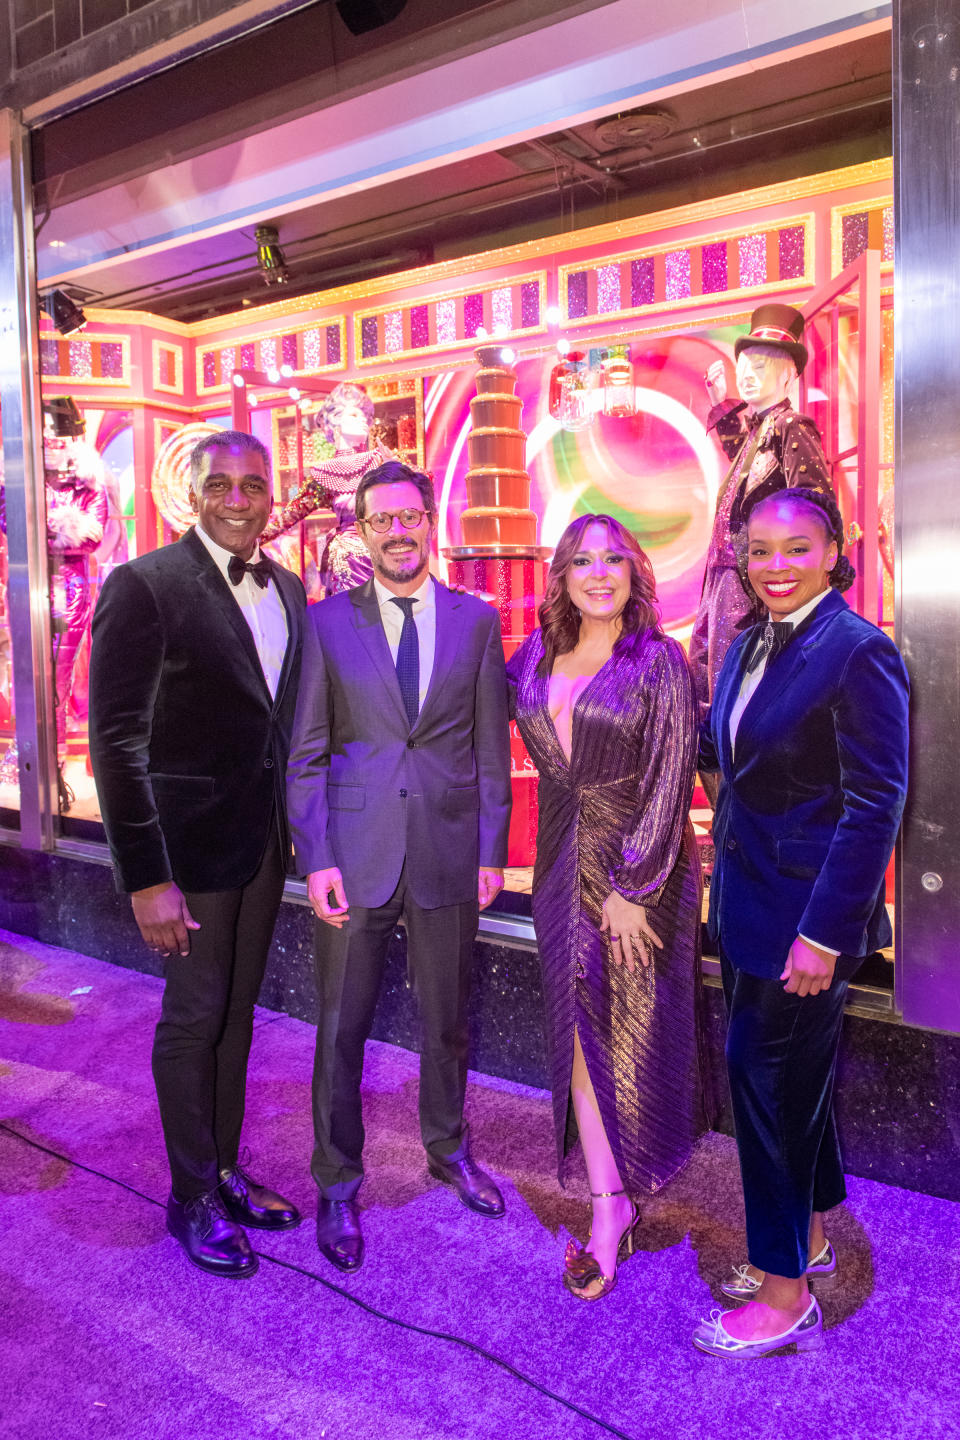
641 127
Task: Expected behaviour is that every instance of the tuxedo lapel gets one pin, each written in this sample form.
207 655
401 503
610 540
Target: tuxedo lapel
788 665
219 602
369 628
449 623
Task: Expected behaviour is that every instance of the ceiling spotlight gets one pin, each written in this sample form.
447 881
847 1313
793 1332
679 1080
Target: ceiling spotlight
270 258
65 314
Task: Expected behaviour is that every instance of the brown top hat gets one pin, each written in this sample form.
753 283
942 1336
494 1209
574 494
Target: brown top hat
779 326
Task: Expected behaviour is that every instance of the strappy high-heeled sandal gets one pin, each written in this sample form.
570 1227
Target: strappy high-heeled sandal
582 1269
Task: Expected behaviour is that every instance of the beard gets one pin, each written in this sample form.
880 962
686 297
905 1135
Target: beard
396 566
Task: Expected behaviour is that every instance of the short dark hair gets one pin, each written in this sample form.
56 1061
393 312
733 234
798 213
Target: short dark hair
394 472
225 440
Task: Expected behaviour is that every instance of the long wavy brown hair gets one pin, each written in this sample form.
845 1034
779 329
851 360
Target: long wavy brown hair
559 617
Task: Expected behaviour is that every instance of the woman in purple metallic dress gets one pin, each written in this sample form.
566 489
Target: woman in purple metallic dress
604 702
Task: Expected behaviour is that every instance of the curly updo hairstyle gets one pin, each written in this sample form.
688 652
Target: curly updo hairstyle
560 618
827 512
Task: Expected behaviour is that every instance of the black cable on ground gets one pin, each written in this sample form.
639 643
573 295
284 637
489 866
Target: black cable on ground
346 1295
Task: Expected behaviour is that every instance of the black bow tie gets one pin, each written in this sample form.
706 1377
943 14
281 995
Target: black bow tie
261 572
770 637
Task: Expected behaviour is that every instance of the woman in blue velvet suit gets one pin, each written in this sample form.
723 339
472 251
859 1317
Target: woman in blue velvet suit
808 728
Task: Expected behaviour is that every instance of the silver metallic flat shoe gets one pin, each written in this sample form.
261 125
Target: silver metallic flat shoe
712 1338
822 1269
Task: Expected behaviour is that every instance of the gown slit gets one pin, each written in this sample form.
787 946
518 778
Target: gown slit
614 815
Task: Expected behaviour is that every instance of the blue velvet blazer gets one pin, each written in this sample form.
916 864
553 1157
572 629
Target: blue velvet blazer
811 800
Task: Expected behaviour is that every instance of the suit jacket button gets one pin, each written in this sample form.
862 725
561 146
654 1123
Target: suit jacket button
411 744
403 794
731 844
268 763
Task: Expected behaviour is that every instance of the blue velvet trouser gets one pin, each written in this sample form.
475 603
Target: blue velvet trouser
781 1060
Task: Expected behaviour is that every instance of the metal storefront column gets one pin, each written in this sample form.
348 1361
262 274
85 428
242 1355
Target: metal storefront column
22 425
926 79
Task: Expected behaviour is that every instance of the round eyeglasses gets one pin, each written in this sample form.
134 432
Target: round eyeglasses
382 520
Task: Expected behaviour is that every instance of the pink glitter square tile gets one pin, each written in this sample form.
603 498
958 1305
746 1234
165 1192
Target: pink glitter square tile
393 331
677 270
608 289
753 260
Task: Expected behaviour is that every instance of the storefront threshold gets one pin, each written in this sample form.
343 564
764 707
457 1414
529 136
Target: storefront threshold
69 899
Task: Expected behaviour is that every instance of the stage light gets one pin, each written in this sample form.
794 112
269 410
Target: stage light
481 333
238 380
563 347
273 375
507 355
286 371
270 258
65 314
294 393
553 314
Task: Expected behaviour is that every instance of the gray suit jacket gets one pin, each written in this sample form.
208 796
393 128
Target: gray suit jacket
364 791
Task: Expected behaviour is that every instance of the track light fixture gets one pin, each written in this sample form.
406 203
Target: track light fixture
270 258
64 312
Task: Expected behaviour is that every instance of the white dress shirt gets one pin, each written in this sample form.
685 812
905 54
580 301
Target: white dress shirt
262 609
425 619
747 687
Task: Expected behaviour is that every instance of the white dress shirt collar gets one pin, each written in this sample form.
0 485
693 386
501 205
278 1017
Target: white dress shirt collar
420 597
219 554
796 616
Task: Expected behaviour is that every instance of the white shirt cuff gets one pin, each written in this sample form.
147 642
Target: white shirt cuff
817 945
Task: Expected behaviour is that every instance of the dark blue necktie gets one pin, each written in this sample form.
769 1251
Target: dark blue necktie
408 660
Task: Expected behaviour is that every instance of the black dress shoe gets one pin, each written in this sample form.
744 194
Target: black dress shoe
475 1188
251 1204
339 1237
210 1238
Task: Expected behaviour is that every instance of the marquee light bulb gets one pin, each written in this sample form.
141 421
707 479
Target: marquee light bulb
563 347
273 374
239 381
553 314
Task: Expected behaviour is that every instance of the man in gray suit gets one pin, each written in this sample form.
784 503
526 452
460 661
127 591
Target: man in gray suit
398 789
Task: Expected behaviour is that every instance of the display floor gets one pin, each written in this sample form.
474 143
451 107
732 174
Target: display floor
457 1328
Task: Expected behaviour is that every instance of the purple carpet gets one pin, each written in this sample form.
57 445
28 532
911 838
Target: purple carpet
105 1330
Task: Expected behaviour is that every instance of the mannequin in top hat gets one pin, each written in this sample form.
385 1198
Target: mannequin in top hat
770 447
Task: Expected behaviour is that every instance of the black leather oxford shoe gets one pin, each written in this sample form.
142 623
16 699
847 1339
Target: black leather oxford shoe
251 1204
475 1188
339 1236
211 1239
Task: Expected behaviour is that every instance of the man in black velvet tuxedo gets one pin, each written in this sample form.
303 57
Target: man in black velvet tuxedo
399 795
193 678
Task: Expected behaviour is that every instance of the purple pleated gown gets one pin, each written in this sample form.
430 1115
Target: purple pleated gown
617 817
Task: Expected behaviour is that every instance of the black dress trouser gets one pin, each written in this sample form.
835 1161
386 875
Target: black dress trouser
781 1060
350 964
202 1040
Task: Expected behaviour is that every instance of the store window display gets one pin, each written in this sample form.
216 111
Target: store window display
346 417
77 513
770 447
